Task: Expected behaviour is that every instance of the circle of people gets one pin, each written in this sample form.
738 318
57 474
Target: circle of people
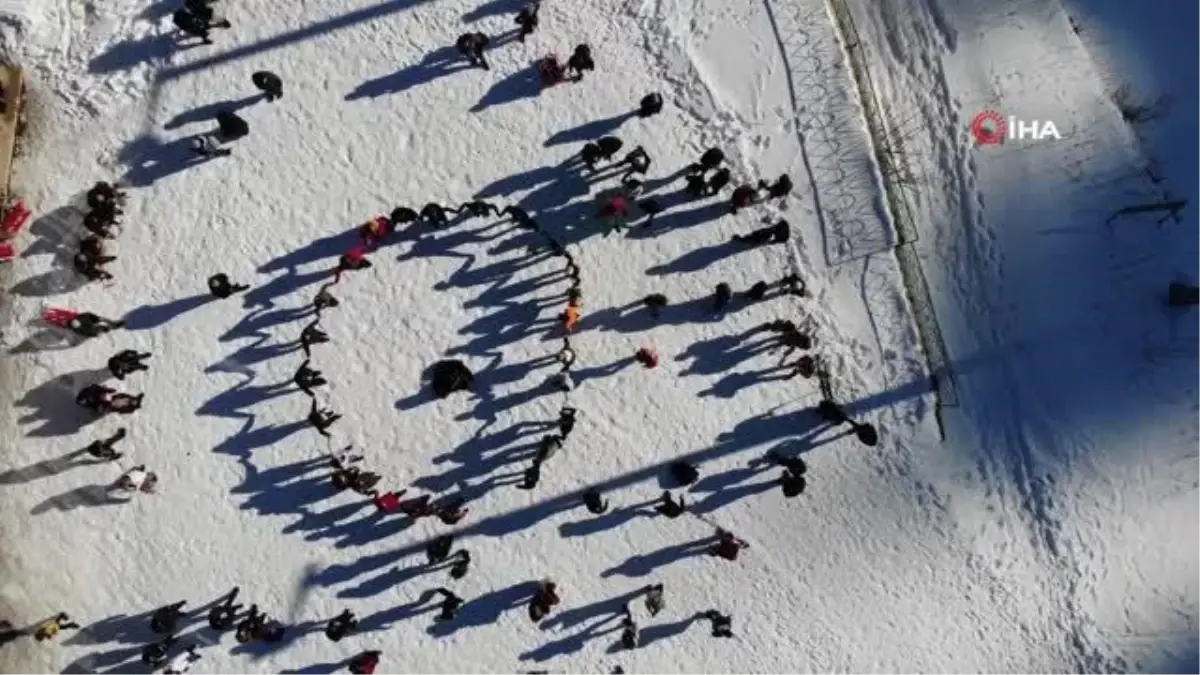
705 178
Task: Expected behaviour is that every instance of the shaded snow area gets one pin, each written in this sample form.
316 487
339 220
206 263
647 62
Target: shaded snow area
1053 528
1075 454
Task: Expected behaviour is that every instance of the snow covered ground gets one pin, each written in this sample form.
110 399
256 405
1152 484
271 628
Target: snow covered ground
1055 528
1076 436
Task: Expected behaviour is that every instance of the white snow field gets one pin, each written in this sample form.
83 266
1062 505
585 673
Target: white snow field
1052 529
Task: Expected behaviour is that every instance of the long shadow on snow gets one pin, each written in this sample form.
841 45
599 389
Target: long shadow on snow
641 565
754 432
492 8
128 54
53 403
696 259
439 63
325 248
519 85
590 131
486 609
208 113
49 467
306 32
96 494
574 642
154 316
150 158
480 456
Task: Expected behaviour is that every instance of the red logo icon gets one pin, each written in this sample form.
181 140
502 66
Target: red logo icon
989 128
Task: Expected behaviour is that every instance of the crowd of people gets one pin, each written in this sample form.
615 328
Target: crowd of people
707 177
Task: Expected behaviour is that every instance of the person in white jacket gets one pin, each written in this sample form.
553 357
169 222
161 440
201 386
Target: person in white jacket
137 479
182 662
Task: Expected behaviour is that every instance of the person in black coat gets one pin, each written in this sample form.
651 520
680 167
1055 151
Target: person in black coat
268 83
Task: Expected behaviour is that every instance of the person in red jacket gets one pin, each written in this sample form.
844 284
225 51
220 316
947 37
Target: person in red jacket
388 502
354 259
365 663
374 231
647 357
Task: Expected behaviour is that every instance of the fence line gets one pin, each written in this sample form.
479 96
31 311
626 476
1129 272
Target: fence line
888 153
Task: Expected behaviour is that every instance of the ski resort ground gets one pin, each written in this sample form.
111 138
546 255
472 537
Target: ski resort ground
1031 505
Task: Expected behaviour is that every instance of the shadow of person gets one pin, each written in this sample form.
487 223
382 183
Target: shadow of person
208 113
53 406
153 316
47 467
519 85
438 63
149 159
590 131
84 496
641 565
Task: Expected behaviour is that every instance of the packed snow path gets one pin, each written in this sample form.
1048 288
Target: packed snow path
869 570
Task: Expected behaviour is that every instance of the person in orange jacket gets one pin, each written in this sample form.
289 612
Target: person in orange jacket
570 317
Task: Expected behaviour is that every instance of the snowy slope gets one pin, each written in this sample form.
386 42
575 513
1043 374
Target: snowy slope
1078 417
877 567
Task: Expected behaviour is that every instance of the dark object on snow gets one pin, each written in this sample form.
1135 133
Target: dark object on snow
716 182
651 207
127 361
191 24
793 484
655 302
155 653
439 549
742 196
268 83
654 599
531 476
527 19
402 215
782 186
312 335
757 292
650 105
450 376
231 126
166 619
866 434
727 546
581 60
630 635
451 604
669 507
609 146
104 449
594 502
832 412
321 418
222 617
684 473
341 625
220 286
711 159
471 45
365 663
462 564
721 623
779 233
91 325
722 296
